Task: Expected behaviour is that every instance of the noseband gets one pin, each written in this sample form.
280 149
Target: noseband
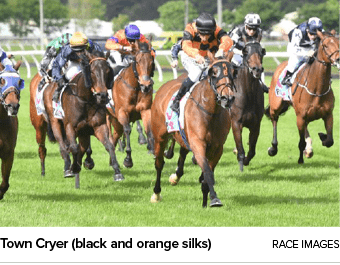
7 92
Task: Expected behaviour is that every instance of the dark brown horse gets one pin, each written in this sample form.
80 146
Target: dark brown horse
206 125
40 125
132 96
312 96
10 86
83 102
248 108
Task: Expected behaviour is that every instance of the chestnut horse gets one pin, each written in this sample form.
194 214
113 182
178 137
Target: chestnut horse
40 125
84 104
312 96
132 97
10 86
248 108
205 133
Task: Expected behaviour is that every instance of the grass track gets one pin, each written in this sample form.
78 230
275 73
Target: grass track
272 191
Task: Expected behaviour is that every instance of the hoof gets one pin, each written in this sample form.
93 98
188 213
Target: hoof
216 203
194 161
235 151
88 165
272 151
173 179
128 163
308 154
118 177
156 198
322 136
142 140
68 174
168 154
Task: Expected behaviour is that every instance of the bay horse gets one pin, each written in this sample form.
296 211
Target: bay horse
248 108
132 97
206 125
312 96
84 103
40 125
10 86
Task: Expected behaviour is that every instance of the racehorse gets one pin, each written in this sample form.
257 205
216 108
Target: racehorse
132 97
312 96
40 125
10 85
84 103
205 133
248 108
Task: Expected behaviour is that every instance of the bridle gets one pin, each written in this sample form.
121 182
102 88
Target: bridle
245 58
329 56
9 90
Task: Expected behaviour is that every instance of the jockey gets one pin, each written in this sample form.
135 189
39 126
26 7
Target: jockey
51 52
252 32
4 59
198 37
301 46
175 49
79 42
121 42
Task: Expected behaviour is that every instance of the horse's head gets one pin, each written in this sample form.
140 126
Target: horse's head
143 65
328 51
252 58
221 75
98 75
10 85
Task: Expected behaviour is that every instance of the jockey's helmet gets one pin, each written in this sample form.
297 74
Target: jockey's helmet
79 41
132 32
252 20
314 24
206 23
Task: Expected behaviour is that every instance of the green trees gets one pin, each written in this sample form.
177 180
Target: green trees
171 15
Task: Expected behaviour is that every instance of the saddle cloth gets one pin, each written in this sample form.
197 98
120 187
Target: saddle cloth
173 122
284 91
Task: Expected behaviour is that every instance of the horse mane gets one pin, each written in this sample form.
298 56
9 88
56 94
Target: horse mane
144 47
85 68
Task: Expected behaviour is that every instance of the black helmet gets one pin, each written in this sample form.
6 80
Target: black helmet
205 23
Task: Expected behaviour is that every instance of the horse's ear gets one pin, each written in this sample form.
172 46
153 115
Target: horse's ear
2 67
319 33
17 65
259 37
229 56
211 57
107 55
264 52
333 32
235 70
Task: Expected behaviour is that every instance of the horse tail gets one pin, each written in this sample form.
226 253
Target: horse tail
282 112
50 133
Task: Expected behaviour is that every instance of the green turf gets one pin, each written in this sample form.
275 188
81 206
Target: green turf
272 191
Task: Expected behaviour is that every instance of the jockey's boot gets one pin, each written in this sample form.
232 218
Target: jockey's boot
185 87
56 94
41 84
287 78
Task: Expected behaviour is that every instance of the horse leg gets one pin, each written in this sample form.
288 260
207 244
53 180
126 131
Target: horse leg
89 163
74 148
272 151
170 152
102 134
128 159
111 121
146 118
57 131
309 148
6 166
199 149
254 132
175 178
141 137
327 140
40 136
302 126
237 131
159 164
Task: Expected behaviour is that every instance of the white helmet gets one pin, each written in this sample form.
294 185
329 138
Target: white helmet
252 20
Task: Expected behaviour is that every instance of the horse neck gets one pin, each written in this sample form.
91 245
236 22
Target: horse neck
129 77
3 113
206 97
320 72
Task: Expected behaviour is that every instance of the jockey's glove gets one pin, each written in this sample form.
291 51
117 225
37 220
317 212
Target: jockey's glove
174 64
61 82
310 53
